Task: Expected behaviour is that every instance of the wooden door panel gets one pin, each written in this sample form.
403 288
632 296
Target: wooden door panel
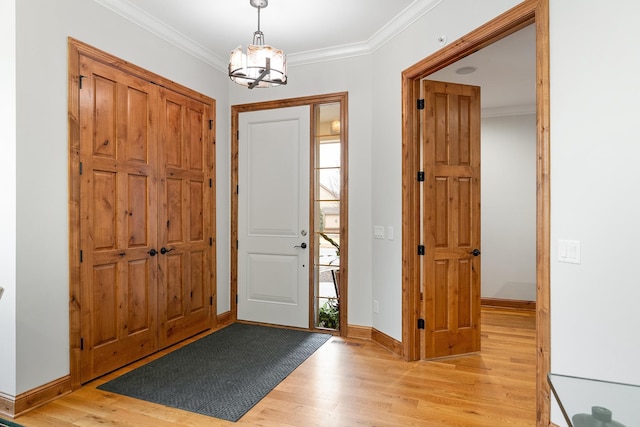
136 143
184 217
196 211
452 219
118 224
104 110
196 291
195 140
103 220
174 287
137 212
104 303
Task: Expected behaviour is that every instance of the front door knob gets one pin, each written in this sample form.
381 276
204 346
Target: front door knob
302 245
475 252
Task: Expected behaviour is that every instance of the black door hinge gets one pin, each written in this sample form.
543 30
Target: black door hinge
81 343
236 298
210 241
420 323
420 249
210 300
210 183
80 81
80 256
210 124
420 176
420 104
80 168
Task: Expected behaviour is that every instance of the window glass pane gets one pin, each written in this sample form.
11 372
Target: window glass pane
328 184
328 216
329 154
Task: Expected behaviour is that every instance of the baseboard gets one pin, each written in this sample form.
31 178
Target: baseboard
7 405
508 303
386 341
224 319
359 332
24 402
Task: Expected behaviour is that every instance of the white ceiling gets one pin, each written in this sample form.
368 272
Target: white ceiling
312 31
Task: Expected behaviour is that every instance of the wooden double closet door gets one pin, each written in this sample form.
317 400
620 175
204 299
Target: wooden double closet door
146 216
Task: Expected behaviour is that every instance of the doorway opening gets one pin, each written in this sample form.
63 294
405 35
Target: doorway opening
328 206
522 15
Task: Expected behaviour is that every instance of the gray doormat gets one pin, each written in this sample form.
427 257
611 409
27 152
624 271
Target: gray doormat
222 375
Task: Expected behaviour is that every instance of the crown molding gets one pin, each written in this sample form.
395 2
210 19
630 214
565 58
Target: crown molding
394 27
164 31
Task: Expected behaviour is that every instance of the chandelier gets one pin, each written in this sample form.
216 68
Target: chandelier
262 65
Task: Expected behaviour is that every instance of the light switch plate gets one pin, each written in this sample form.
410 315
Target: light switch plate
569 251
378 232
390 233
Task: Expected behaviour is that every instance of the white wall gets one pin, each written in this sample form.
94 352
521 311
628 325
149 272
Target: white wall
594 189
508 202
8 197
42 289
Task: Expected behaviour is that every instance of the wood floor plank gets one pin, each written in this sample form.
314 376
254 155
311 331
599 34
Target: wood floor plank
350 382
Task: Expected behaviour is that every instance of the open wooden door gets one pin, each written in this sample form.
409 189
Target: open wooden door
451 215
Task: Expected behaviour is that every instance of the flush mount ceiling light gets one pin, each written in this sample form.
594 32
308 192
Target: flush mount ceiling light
262 65
466 70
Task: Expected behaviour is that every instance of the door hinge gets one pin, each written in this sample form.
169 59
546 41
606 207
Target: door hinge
80 168
236 298
80 81
210 241
210 182
210 124
210 300
81 256
420 104
238 135
420 249
237 245
81 343
420 323
421 176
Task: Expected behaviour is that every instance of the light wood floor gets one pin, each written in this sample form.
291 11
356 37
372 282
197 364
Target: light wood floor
352 382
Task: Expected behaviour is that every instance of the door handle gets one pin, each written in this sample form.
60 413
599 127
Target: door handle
302 245
153 252
164 250
475 252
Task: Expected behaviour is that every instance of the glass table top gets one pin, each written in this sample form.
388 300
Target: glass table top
593 403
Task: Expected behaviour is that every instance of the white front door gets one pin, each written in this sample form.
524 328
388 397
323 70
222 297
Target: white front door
273 216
